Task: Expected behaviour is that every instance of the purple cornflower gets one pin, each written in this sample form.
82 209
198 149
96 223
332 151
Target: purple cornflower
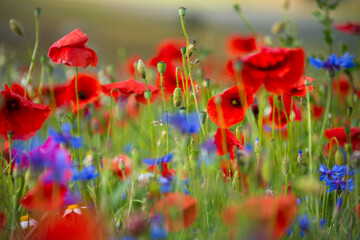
333 63
65 137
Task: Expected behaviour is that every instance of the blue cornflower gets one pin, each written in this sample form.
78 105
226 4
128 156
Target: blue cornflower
157 227
165 184
65 137
334 63
335 172
87 173
304 224
185 123
165 159
340 184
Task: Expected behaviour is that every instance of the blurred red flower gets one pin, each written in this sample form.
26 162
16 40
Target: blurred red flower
225 141
300 89
279 69
238 45
340 135
341 86
268 218
167 51
170 80
61 94
180 210
131 86
230 107
71 51
20 115
318 111
88 88
349 27
44 196
84 226
2 220
121 166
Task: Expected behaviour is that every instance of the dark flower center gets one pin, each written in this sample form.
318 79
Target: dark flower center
13 105
235 102
82 95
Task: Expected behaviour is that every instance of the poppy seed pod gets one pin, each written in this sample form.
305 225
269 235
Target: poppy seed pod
16 27
339 158
182 11
183 51
147 94
37 12
140 67
177 97
161 66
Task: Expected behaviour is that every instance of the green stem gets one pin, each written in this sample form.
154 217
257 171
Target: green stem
309 128
150 119
247 23
189 71
33 56
166 113
42 76
77 102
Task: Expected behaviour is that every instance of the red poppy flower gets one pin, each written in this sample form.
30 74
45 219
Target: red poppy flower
61 94
279 69
71 51
45 196
225 141
121 165
2 220
167 51
348 28
340 135
239 45
269 217
279 117
357 210
20 115
88 89
341 86
234 103
86 226
180 210
318 111
300 89
18 89
131 86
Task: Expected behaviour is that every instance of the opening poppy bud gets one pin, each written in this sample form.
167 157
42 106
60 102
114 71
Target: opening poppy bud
16 27
177 97
206 83
37 12
161 66
339 158
349 111
182 11
183 51
10 135
148 94
278 28
140 67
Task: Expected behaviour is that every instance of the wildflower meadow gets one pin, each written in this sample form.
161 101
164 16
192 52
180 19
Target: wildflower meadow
178 145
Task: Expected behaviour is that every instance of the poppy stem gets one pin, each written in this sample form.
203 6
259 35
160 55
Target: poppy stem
77 102
147 96
309 128
189 71
242 16
166 113
33 56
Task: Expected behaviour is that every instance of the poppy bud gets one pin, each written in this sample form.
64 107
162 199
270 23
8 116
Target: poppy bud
177 97
37 12
300 158
147 94
43 60
236 7
349 111
339 158
285 166
140 67
16 27
182 11
278 28
10 135
348 148
183 51
161 66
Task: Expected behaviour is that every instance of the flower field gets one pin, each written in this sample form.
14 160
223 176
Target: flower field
179 145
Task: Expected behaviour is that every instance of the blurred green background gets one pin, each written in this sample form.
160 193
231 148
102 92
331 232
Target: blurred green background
138 25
